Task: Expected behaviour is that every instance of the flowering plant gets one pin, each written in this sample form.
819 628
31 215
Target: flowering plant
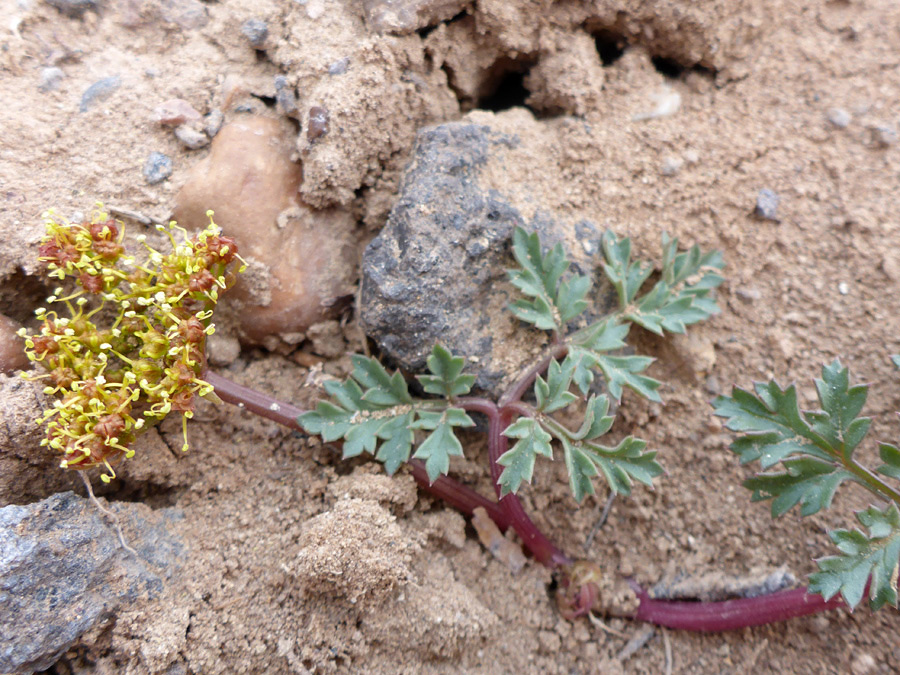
126 346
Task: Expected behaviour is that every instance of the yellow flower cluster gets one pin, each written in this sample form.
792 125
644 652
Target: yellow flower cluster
112 382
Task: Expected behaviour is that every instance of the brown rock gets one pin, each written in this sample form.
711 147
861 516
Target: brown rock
175 112
300 260
12 347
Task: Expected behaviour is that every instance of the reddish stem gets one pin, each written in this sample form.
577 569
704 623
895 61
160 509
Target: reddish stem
711 617
254 401
534 540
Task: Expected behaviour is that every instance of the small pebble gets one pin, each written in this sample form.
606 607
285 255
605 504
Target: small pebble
157 168
318 123
284 95
750 294
339 67
256 31
767 204
671 166
862 664
691 156
73 8
213 122
884 136
713 386
843 288
50 78
838 117
175 112
190 137
98 91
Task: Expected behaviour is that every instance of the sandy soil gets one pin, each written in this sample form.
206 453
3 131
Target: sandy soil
300 563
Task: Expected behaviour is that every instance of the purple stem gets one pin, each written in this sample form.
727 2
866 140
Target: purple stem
713 617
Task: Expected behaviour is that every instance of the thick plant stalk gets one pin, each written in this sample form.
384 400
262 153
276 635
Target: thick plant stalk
715 617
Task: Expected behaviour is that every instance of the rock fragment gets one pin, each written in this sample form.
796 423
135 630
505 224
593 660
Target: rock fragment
285 96
838 117
63 571
190 137
99 91
213 122
402 17
767 204
157 168
175 112
256 31
50 78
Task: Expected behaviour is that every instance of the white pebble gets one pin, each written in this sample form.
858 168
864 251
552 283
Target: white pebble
843 288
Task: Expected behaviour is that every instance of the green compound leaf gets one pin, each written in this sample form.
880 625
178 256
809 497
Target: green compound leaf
441 443
811 447
620 465
553 393
519 461
863 557
552 302
446 379
372 412
618 371
682 295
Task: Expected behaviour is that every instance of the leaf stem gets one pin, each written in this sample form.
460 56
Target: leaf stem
870 480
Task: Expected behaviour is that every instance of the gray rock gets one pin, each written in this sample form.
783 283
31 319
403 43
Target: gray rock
190 137
256 31
63 571
157 168
767 205
213 122
339 67
402 17
284 95
50 78
99 91
436 271
838 117
74 8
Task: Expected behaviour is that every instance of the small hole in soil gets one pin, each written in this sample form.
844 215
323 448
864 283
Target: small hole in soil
668 67
610 46
509 93
270 101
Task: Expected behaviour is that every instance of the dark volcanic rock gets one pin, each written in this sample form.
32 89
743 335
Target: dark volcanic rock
63 571
436 272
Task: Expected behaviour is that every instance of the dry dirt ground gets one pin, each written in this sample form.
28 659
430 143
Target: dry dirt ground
297 562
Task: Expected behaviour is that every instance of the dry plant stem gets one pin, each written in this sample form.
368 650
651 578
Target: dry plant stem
508 512
109 514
